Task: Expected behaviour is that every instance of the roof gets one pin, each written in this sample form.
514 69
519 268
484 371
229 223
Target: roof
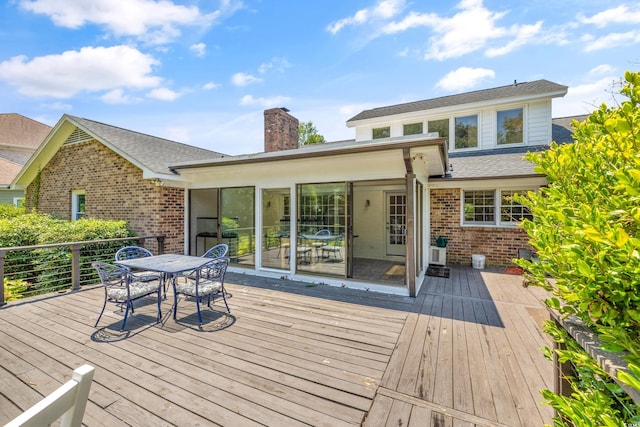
538 88
507 162
20 131
143 150
8 171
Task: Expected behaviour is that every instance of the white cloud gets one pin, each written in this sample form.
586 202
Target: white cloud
210 86
163 94
91 69
156 22
265 102
464 78
198 49
244 79
617 15
278 64
585 98
117 96
611 40
524 35
63 106
384 9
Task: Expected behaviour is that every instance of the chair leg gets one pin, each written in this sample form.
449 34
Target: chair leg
160 302
224 298
198 308
100 316
126 313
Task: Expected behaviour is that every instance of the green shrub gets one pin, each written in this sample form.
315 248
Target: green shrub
10 211
586 231
14 289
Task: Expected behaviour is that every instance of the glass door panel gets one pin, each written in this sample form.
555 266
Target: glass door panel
237 224
396 223
321 229
276 228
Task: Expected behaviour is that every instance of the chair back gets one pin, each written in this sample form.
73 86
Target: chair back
67 401
214 269
324 232
217 251
110 274
131 252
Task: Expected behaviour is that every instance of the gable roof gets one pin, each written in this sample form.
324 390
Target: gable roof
8 171
145 151
149 153
529 90
18 131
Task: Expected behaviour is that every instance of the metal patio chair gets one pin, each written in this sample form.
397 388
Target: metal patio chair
208 281
218 251
132 252
335 248
122 288
318 244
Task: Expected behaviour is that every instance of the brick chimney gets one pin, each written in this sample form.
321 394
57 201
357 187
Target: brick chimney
280 130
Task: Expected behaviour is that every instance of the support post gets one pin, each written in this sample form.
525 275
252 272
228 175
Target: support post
75 266
2 256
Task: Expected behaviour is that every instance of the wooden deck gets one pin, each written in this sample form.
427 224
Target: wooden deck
464 352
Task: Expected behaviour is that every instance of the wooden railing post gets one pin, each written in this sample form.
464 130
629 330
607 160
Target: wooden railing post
75 266
2 255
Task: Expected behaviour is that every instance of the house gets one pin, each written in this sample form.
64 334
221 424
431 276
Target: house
19 138
362 213
84 167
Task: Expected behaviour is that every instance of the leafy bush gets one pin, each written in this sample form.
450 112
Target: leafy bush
14 289
586 232
48 269
10 211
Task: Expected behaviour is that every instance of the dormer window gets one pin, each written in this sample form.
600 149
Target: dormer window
510 126
466 132
412 129
379 133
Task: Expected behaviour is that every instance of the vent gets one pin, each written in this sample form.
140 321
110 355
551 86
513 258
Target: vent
78 136
438 256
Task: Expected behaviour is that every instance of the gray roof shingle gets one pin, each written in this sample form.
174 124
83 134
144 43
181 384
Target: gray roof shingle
148 151
538 87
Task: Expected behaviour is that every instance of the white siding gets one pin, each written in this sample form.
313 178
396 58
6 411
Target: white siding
539 123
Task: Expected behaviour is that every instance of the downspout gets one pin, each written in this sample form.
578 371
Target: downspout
410 189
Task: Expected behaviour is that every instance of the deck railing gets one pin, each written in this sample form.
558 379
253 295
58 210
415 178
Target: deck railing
40 269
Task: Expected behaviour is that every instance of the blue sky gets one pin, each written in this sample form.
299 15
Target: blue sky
203 72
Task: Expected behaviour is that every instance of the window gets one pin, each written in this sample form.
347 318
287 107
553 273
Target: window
510 211
412 129
480 207
77 204
466 132
381 132
440 126
510 126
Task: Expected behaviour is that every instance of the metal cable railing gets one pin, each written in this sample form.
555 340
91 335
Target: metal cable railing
41 269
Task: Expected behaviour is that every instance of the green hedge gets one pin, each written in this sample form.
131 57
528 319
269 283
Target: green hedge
586 231
47 269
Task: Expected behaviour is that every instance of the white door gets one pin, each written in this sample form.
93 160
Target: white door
396 223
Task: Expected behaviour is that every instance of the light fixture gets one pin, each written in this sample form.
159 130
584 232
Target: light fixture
367 203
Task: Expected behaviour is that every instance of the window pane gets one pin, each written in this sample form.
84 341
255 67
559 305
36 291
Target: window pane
440 126
510 126
510 211
413 129
381 133
238 224
466 132
479 207
276 232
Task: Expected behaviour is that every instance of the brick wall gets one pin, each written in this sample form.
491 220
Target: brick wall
114 190
499 244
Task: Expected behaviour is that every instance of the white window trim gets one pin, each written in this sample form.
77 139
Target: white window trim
74 204
525 125
497 193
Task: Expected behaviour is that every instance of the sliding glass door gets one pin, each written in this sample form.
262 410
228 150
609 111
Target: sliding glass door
276 228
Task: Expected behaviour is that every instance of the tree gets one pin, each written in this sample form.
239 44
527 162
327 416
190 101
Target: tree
308 134
586 231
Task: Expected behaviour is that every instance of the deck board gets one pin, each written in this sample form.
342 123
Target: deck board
464 352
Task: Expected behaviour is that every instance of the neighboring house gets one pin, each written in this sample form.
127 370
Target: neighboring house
87 168
19 138
442 167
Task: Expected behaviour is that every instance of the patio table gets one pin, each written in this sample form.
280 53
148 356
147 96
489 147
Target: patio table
168 264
